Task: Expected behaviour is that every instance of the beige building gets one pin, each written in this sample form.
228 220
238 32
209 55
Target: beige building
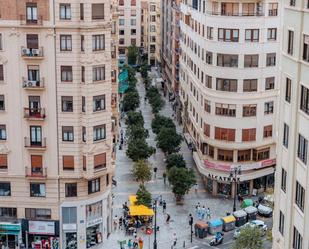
291 217
58 98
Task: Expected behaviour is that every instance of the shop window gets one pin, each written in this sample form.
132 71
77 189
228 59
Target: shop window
224 134
98 103
8 212
224 188
249 111
68 162
268 131
94 186
3 161
71 189
66 73
99 161
37 189
243 155
5 189
261 154
68 133
225 155
38 214
248 134
97 11
269 83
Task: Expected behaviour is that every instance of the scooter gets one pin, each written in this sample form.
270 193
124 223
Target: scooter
213 242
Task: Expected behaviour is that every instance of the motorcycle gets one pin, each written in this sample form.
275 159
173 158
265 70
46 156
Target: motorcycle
215 242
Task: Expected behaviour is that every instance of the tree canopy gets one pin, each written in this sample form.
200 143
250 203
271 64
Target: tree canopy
161 122
143 196
134 118
142 171
139 149
130 101
168 140
175 160
137 131
249 238
132 54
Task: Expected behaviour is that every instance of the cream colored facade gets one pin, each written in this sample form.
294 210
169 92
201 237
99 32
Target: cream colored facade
59 119
229 87
291 217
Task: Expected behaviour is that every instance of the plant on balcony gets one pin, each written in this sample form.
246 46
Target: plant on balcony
160 122
130 101
181 180
168 140
134 118
132 54
142 171
249 238
139 149
175 160
143 196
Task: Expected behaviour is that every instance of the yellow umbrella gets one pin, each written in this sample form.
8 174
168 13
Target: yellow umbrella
140 210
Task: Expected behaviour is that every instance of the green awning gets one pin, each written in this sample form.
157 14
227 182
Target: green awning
123 76
9 228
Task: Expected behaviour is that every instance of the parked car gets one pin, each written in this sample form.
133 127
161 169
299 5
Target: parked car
254 223
265 210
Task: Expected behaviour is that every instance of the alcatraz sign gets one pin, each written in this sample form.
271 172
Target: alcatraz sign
223 178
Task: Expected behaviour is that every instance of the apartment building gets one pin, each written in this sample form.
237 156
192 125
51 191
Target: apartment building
58 95
292 176
229 85
153 31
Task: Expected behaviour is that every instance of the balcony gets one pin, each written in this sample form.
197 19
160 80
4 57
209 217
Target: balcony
34 113
36 172
24 20
236 14
33 84
35 144
32 53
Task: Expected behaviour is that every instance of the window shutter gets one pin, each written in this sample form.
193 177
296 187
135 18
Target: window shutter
98 11
99 160
231 134
217 133
245 135
36 161
1 73
3 161
207 129
32 41
68 162
84 163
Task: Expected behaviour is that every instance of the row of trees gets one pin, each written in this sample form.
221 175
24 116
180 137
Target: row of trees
131 101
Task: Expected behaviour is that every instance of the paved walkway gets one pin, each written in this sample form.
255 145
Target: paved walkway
179 213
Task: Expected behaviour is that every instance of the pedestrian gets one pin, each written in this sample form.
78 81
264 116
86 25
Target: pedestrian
120 222
174 239
168 217
208 214
130 244
164 206
115 222
121 133
140 243
203 212
195 187
155 169
164 178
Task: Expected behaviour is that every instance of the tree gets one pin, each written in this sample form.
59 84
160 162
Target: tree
169 140
249 238
175 160
161 121
132 54
181 180
130 101
134 118
143 196
142 171
139 149
157 104
144 70
137 131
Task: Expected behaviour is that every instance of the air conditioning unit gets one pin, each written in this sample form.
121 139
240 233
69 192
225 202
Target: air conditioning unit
31 83
25 51
36 52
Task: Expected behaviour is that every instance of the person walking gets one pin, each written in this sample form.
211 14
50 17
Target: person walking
115 222
130 244
208 214
140 243
164 178
196 187
168 217
174 239
155 169
203 212
164 206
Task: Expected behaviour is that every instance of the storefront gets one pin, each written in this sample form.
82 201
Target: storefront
263 183
224 188
244 188
10 234
69 236
94 225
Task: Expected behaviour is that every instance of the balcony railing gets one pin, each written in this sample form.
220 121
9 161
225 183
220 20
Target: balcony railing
34 113
24 20
245 14
35 144
39 172
33 84
32 52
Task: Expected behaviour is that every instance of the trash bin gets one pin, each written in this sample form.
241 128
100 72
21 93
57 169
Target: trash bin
228 223
215 226
246 203
241 217
201 229
251 213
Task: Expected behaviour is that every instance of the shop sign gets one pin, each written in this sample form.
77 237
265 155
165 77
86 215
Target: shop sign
94 222
41 227
71 227
223 178
8 228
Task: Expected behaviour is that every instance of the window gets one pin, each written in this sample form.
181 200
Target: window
260 154
82 43
121 32
273 9
209 57
133 41
133 31
3 161
283 179
252 35
97 11
65 11
300 196
32 12
206 129
306 47
133 2
36 136
251 60
269 83
65 43
36 164
248 9
292 2
71 189
94 186
290 42
66 74
288 85
121 41
99 132
228 35
83 74
210 33
225 155
226 110
84 134
304 101
68 133
1 73
38 213
8 212
229 9
281 223
302 150
69 215
121 22
152 8
268 131
99 161
227 60
243 155
286 131
121 2
81 11
250 85
224 134
271 59
249 111
37 189
68 162
5 189
2 132
98 73
207 106
272 34
98 103
297 238
269 107
1 46
67 103
98 42
248 134
32 41
133 22
228 85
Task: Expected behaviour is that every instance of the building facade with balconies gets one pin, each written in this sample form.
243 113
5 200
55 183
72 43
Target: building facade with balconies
228 88
58 121
291 218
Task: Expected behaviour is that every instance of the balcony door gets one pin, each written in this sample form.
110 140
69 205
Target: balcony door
35 135
33 75
34 105
32 41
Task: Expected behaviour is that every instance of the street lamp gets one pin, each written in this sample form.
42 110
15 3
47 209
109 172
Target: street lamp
235 172
155 225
